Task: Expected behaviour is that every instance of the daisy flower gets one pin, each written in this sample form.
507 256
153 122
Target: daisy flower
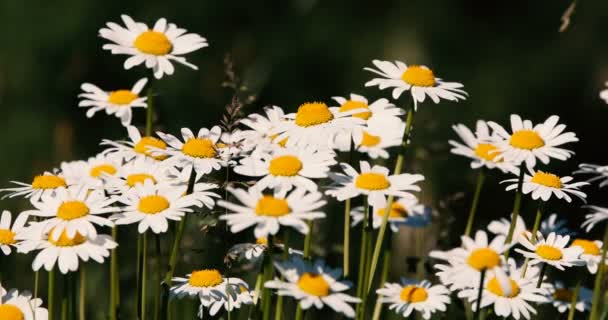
206 284
230 146
378 136
548 225
285 168
138 147
561 297
313 284
604 94
401 211
232 298
8 233
268 212
152 205
410 295
600 173
91 173
528 142
478 148
118 102
552 251
592 254
198 153
74 210
373 182
419 80
542 185
46 183
157 47
137 172
259 136
21 306
598 215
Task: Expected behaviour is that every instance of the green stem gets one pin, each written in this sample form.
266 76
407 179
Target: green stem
541 276
597 287
572 310
480 180
82 294
67 288
539 215
362 256
386 263
144 275
299 312
308 241
479 294
516 208
157 285
138 274
346 246
51 294
149 112
268 274
113 276
36 284
279 310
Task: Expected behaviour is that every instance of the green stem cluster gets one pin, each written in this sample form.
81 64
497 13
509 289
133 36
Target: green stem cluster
480 180
599 278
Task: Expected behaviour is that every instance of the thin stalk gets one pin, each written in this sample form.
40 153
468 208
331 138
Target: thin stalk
539 214
51 294
480 180
82 294
144 275
299 312
67 293
479 295
572 310
157 285
268 273
363 254
113 276
138 274
386 263
597 287
278 314
516 208
149 112
308 241
346 246
36 284
541 276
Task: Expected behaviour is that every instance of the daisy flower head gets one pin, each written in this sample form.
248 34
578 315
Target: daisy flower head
551 250
91 173
259 135
478 147
157 47
21 306
592 254
234 296
600 173
313 284
373 182
46 183
547 226
378 136
529 142
8 233
561 297
419 80
206 284
230 146
597 215
402 211
542 185
118 102
410 295
268 212
137 147
604 94
137 172
285 168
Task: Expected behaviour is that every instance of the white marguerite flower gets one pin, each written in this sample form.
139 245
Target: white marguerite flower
259 136
600 173
561 297
547 225
419 80
157 47
269 212
285 168
45 183
542 185
204 284
91 173
21 306
410 295
378 136
234 297
404 211
137 172
8 232
604 94
551 250
597 215
313 284
529 142
592 254
373 182
138 147
118 102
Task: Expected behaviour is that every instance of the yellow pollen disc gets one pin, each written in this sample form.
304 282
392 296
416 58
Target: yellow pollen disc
143 147
97 171
547 179
369 140
262 240
10 312
140 178
313 284
548 252
483 259
205 278
287 166
48 182
495 288
121 97
526 139
64 241
71 210
353 105
153 42
312 114
418 76
7 237
199 148
372 181
272 207
397 211
486 151
153 204
412 294
589 246
562 294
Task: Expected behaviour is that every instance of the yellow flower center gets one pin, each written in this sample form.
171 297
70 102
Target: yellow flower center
262 240
353 105
64 241
287 166
562 294
312 114
143 147
140 178
99 170
526 139
412 294
272 207
71 210
205 278
314 284
483 259
10 312
369 140
589 246
372 181
281 143
121 97
397 211
199 148
7 237
153 204
495 288
48 182
547 179
153 42
548 252
418 76
486 151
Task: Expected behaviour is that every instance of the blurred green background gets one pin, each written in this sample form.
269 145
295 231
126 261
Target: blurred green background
509 55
